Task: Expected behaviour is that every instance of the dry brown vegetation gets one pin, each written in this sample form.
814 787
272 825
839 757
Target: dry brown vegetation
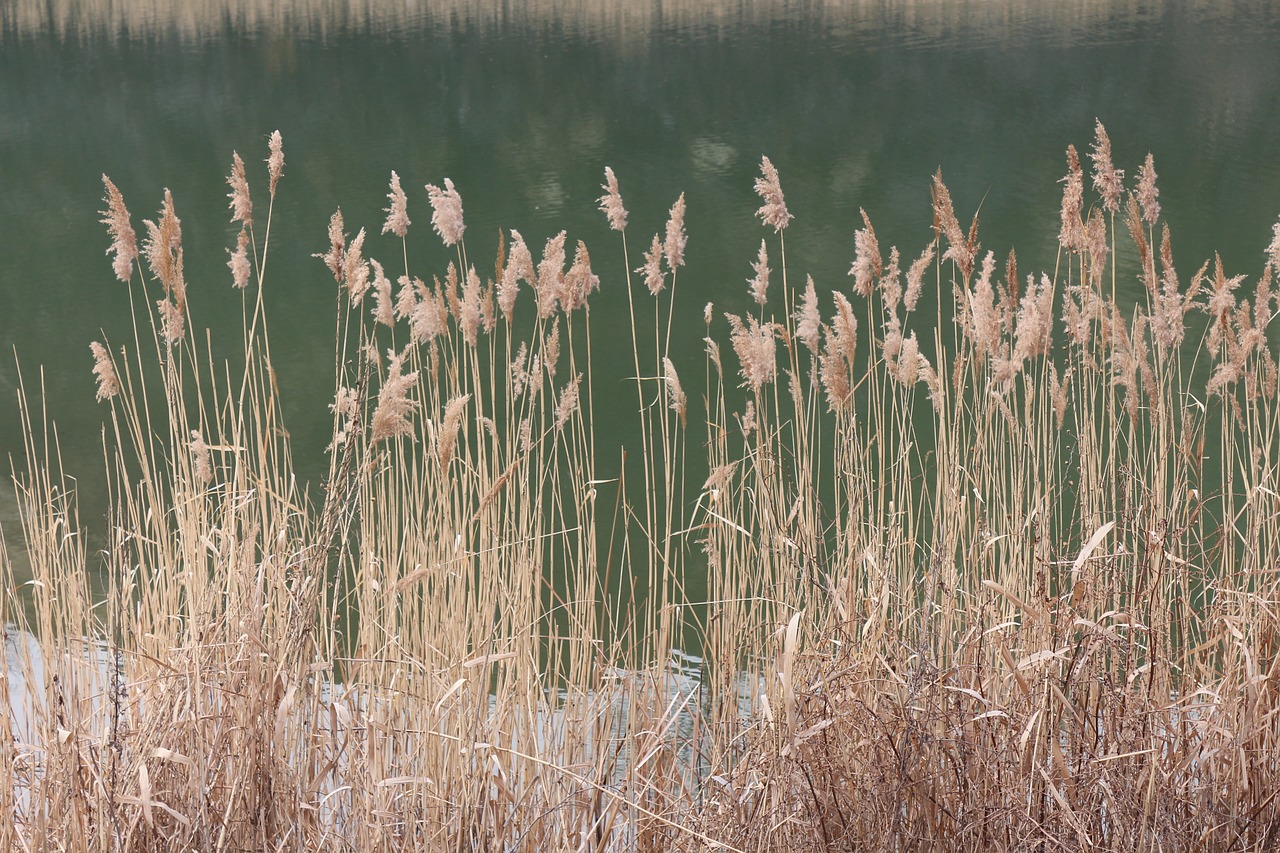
992 561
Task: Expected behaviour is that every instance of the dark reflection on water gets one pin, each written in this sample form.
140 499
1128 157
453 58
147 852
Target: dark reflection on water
857 104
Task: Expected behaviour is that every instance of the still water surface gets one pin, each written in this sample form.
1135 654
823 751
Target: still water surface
857 104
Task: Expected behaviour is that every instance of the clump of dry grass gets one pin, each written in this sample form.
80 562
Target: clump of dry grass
1002 577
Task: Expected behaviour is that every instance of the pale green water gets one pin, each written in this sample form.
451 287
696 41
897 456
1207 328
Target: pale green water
523 111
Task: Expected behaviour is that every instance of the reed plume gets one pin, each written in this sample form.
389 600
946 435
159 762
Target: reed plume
239 263
336 255
384 310
105 372
611 202
774 210
519 267
676 399
446 212
124 242
1148 193
674 245
758 284
755 345
568 402
241 205
961 248
808 320
275 161
1273 250
915 276
1107 179
201 459
652 269
397 209
1071 236
867 260
391 416
550 283
447 434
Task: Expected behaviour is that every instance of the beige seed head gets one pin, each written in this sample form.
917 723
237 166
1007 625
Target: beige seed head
652 269
241 206
124 242
391 416
275 161
673 247
759 283
446 212
105 371
1107 179
241 269
677 401
397 209
611 202
774 210
1148 192
202 462
808 320
334 258
1071 235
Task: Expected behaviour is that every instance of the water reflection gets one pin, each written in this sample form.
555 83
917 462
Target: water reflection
977 23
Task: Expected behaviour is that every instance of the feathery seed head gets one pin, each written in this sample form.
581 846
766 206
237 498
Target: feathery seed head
105 371
1096 245
652 269
397 210
611 202
1148 192
446 212
807 318
675 394
551 275
334 258
1071 235
172 321
163 248
447 435
202 463
1273 251
383 308
519 266
915 276
241 206
239 263
1107 179
774 210
961 249
469 318
568 402
124 242
891 281
756 347
759 283
275 161
391 416
677 239
580 282
867 263
355 269
551 350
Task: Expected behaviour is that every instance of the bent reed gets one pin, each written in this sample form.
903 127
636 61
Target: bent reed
992 563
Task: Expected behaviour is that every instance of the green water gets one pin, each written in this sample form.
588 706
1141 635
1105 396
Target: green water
856 104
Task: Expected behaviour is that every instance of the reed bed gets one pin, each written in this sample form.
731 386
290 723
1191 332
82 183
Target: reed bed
992 561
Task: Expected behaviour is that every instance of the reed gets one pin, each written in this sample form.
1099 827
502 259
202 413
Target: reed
992 561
